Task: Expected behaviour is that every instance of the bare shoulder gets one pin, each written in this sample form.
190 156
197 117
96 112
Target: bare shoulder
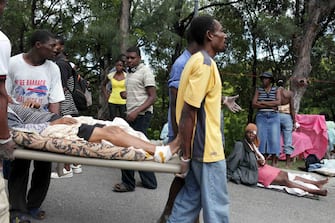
286 93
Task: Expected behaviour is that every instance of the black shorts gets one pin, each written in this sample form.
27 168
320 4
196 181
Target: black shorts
85 131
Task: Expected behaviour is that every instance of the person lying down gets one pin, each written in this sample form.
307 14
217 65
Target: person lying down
117 132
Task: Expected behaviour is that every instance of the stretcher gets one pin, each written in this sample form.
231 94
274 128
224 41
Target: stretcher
172 166
34 147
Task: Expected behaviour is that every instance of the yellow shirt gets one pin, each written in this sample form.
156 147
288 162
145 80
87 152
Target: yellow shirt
200 86
117 87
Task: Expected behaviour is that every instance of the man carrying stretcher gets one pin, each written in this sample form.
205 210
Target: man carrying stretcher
117 132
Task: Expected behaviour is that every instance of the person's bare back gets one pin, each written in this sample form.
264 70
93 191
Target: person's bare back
286 95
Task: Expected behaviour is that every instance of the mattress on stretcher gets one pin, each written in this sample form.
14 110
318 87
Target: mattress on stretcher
37 147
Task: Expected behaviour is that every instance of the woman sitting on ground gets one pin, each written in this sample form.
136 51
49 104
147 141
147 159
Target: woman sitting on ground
242 162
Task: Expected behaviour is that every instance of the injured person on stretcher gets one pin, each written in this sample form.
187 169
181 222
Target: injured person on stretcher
116 132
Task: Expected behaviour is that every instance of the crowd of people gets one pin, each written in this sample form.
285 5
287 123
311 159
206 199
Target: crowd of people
35 92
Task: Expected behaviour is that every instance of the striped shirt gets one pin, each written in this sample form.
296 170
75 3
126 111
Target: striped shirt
29 118
136 84
267 96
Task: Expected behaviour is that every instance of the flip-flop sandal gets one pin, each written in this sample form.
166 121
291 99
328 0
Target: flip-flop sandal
121 187
37 213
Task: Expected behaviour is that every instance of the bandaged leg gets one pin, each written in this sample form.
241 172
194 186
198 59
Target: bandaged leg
119 137
162 154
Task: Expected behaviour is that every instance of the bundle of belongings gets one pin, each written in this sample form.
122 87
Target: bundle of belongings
325 167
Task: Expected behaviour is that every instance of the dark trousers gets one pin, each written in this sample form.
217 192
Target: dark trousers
116 110
18 183
141 123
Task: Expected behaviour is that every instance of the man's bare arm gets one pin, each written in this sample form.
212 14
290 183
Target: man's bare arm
151 91
54 108
292 109
173 98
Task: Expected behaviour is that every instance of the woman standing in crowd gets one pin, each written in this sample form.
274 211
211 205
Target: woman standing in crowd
266 100
117 79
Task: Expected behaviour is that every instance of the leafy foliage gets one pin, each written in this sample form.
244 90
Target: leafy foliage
261 37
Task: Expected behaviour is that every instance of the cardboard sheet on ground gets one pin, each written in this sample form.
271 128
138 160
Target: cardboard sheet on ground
295 191
83 152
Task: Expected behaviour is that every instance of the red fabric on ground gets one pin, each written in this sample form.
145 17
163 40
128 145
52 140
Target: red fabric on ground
266 174
311 137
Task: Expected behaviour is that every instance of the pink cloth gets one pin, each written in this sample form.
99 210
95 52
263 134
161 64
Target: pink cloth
266 174
311 137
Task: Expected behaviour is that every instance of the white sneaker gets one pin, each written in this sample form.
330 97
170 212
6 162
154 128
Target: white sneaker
162 154
66 174
76 169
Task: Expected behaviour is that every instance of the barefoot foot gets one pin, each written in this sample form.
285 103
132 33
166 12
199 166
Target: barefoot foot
320 183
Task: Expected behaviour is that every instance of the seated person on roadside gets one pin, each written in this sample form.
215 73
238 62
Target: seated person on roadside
242 163
242 167
89 129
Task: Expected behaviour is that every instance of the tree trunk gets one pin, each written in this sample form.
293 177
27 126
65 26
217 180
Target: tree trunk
254 76
317 12
103 112
124 25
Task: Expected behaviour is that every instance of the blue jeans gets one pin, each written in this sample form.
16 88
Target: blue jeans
268 125
141 123
286 128
205 187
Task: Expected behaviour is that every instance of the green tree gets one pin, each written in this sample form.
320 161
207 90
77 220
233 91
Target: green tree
280 36
313 19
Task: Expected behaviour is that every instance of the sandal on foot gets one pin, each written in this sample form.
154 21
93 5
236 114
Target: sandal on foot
37 213
122 187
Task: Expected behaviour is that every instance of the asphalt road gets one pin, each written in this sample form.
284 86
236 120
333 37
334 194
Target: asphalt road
88 198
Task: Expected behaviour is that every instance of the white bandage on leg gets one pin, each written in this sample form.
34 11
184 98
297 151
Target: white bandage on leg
162 154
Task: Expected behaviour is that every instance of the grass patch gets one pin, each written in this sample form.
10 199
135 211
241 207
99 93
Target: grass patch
294 166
